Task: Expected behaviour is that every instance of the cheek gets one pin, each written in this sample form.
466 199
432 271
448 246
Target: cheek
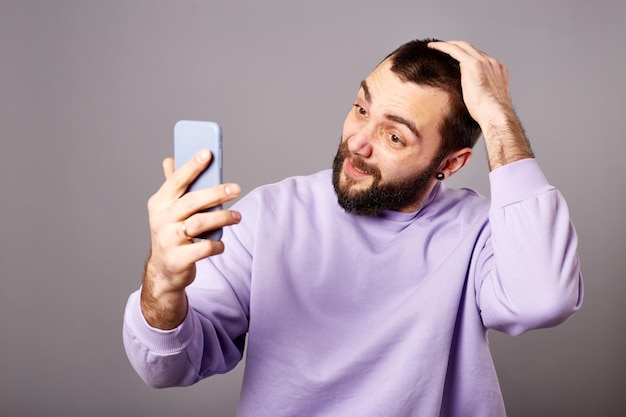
394 167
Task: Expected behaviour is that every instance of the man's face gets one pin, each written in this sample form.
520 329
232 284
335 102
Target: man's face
387 156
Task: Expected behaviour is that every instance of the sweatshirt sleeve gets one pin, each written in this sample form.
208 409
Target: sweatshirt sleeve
209 341
212 337
529 273
160 357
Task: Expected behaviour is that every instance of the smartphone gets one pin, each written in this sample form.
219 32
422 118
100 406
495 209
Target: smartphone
189 137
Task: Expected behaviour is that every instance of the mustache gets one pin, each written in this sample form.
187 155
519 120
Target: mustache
361 165
357 161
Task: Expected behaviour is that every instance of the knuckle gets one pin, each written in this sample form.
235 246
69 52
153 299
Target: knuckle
178 183
227 217
155 224
181 205
152 202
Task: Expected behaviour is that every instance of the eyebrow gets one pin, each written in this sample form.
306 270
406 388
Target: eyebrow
393 117
366 91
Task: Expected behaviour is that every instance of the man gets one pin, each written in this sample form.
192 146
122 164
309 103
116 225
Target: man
367 291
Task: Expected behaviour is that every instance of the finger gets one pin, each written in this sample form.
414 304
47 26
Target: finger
474 63
205 248
450 48
204 199
459 50
200 249
178 182
469 49
168 167
213 196
208 221
180 258
185 234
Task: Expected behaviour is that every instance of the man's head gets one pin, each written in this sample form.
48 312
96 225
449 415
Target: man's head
415 62
408 123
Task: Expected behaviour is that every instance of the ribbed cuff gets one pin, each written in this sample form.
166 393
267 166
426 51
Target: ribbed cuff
517 181
162 342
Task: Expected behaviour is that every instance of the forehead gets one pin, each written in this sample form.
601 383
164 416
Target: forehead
426 106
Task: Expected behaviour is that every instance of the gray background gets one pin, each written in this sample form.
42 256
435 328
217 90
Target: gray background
89 94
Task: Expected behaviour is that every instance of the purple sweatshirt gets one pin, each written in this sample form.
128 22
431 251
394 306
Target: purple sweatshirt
370 315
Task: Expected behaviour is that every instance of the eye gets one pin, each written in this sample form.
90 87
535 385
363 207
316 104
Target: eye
395 139
360 110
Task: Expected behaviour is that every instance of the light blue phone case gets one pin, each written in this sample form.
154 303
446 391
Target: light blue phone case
191 136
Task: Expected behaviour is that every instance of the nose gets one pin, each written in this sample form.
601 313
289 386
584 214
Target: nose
360 143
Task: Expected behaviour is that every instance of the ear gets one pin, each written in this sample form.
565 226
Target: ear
455 161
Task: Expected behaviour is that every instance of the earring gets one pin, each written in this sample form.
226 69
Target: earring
440 176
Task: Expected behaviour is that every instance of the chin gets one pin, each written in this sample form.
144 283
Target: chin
352 186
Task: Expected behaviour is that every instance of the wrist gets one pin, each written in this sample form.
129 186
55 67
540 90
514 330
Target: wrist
163 311
162 305
505 140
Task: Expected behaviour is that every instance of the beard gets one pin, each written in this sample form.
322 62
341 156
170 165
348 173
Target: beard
390 195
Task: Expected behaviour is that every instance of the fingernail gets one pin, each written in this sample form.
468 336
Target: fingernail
236 215
203 156
231 189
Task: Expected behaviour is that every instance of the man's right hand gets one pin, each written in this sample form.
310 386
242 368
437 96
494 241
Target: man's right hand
174 216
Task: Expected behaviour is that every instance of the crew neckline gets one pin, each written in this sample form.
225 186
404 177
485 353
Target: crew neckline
400 216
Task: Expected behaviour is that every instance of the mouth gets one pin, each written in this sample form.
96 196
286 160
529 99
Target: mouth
356 170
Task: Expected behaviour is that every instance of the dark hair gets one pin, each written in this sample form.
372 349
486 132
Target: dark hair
416 62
